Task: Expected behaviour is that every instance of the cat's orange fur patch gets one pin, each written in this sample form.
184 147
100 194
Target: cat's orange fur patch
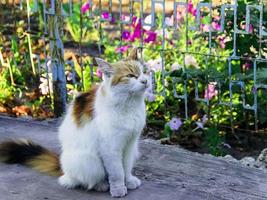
83 106
124 68
47 163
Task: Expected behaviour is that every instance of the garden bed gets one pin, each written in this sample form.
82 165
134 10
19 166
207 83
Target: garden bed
26 94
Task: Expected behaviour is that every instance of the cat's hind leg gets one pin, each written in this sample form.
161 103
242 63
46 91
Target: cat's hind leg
102 186
68 182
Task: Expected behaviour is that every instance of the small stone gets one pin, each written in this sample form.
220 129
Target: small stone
261 161
248 161
211 178
14 192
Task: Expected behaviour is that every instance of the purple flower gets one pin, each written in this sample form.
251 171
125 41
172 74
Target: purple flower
202 122
251 28
200 125
150 97
151 37
189 42
85 7
69 75
204 119
247 66
254 89
211 91
126 35
175 123
99 73
122 49
105 15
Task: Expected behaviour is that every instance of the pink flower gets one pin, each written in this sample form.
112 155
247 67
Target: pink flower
222 44
221 41
175 123
205 27
216 26
251 28
136 24
136 34
122 49
85 7
151 37
99 73
125 18
134 20
211 91
105 15
191 9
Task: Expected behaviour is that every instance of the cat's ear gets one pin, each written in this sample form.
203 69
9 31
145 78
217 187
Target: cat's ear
134 54
104 66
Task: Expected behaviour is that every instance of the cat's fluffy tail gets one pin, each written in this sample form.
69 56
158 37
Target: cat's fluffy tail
30 154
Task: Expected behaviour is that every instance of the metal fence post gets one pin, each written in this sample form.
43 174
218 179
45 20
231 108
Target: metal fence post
55 25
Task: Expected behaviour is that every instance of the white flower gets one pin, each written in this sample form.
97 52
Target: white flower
44 86
175 66
49 66
160 33
147 20
190 61
169 21
154 65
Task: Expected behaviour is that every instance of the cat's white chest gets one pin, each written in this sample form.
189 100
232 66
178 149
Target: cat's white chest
131 121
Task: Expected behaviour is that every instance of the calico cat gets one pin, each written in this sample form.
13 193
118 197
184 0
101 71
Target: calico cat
99 134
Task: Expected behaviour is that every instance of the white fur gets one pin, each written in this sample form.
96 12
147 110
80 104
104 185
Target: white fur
107 146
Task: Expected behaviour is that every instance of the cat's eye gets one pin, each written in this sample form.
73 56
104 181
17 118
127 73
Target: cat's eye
131 76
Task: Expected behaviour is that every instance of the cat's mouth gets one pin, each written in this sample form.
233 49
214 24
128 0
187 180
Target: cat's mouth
144 87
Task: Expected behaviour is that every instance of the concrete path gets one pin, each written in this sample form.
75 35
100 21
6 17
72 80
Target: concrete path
168 173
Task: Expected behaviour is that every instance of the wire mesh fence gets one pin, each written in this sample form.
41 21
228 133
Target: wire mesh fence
203 57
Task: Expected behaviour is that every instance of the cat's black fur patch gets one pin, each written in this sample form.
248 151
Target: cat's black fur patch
19 152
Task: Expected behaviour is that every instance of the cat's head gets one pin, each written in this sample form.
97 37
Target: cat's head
126 76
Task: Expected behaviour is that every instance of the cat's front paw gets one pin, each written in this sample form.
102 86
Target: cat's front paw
133 182
118 191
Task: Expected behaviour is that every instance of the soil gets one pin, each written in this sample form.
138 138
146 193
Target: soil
239 145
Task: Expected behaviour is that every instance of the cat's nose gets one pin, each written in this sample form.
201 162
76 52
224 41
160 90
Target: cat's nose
144 81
